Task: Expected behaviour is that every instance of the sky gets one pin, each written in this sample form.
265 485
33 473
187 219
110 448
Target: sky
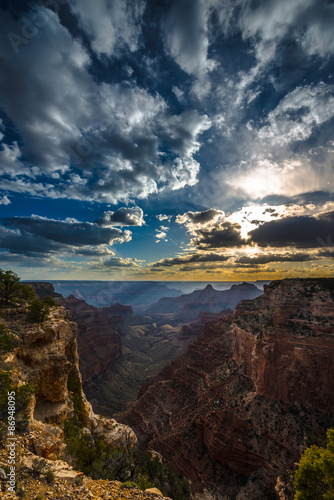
167 140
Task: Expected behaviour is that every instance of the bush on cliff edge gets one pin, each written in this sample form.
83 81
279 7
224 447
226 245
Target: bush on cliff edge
314 478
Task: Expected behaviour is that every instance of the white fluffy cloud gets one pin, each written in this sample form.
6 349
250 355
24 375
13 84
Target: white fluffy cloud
111 24
5 200
299 113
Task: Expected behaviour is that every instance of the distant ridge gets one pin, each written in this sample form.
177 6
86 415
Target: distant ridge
186 308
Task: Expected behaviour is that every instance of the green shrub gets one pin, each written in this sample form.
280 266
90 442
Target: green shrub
78 481
25 293
12 291
20 491
50 477
50 301
8 341
9 284
38 311
128 485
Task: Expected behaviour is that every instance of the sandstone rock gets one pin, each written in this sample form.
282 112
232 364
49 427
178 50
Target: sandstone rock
284 486
47 440
155 491
117 435
68 475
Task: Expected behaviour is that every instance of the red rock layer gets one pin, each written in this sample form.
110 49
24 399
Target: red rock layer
232 413
98 341
284 341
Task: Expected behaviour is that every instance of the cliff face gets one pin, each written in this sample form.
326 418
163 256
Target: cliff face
285 342
232 413
48 358
98 340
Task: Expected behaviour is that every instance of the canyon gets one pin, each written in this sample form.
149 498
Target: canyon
237 408
118 348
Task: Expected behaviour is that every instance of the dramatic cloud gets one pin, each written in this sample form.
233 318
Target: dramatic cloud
299 232
27 244
224 235
68 232
199 217
111 146
267 23
210 229
192 258
217 118
266 258
122 217
118 262
186 38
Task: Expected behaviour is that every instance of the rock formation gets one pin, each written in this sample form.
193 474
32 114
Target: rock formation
47 357
233 412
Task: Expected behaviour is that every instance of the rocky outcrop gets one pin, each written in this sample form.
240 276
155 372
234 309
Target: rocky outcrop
45 289
232 413
48 358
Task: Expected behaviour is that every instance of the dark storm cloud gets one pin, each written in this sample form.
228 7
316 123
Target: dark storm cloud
67 232
299 232
200 217
224 235
190 259
328 254
118 262
122 217
27 244
29 261
265 259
